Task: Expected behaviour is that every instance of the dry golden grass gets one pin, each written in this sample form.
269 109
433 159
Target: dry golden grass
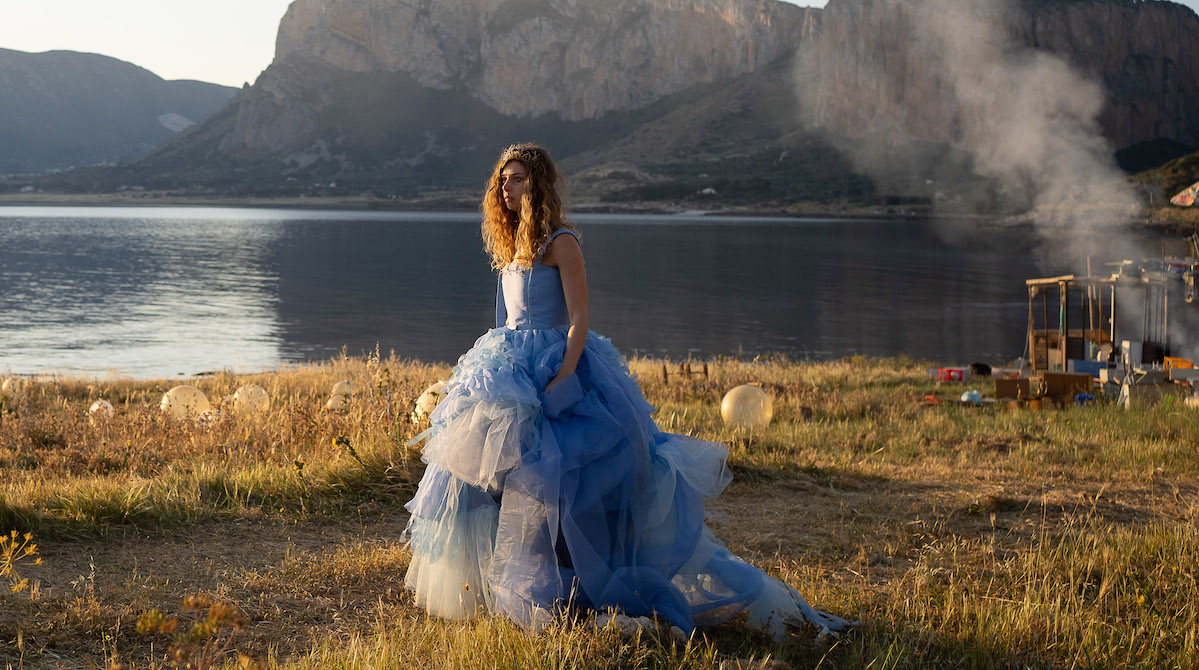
959 536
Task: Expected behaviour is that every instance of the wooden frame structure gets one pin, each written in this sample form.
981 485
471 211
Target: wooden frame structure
1058 338
1082 318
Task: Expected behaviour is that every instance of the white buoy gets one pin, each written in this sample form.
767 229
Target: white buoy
184 402
101 409
337 402
746 406
345 388
209 417
428 400
251 399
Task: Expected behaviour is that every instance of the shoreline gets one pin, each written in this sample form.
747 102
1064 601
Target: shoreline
114 376
1164 220
468 202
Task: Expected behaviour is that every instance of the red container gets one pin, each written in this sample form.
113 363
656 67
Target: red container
950 374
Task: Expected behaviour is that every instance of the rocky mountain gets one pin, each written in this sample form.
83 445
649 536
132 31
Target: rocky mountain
937 69
576 59
63 109
570 59
667 97
403 96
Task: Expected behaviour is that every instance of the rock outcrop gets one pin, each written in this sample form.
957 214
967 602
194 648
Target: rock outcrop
923 67
574 58
1145 55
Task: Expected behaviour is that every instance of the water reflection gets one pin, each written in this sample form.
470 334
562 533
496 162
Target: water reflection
418 285
138 295
809 289
165 291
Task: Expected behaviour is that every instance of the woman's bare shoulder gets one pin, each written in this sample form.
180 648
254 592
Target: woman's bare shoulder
563 249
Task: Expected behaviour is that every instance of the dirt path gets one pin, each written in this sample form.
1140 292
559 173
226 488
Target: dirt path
300 580
293 580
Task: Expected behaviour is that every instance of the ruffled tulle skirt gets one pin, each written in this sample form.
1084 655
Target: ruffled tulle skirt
532 502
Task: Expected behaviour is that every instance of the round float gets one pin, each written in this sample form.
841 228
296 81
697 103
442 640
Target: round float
746 406
184 402
251 399
428 400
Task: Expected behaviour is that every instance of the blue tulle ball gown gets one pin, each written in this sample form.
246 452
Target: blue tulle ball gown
533 501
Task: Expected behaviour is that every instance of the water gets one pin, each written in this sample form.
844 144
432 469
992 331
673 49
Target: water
166 291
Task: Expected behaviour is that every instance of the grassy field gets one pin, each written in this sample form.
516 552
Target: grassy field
959 536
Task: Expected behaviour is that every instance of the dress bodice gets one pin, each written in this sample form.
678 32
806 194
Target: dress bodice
531 297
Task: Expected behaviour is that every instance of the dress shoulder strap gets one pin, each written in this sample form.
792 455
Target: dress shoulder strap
541 251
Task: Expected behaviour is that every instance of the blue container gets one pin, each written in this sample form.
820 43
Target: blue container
1090 367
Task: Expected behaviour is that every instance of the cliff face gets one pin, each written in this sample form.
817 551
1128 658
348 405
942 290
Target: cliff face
924 67
574 58
1145 55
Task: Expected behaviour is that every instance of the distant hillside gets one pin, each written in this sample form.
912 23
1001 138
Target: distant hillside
748 101
388 135
1162 183
63 109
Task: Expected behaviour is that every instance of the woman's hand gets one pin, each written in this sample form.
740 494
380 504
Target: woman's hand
558 378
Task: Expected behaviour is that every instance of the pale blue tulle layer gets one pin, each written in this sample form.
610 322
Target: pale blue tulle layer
533 502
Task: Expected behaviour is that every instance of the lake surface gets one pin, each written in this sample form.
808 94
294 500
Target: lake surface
160 292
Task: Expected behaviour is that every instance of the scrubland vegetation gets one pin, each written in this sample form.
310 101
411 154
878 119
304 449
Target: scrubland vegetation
959 536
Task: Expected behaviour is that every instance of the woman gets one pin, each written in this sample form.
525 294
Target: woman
548 484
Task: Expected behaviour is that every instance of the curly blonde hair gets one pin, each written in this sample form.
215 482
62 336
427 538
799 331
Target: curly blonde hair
516 237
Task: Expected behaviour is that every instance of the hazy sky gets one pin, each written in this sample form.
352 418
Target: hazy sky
221 41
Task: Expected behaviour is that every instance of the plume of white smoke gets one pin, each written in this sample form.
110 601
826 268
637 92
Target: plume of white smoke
1033 127
1028 120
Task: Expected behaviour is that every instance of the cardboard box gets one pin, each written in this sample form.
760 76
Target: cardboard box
1063 386
1012 388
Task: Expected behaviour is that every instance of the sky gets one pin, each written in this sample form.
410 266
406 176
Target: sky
220 41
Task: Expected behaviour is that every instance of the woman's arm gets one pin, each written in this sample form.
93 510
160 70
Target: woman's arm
565 254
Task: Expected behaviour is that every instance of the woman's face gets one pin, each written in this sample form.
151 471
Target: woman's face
513 181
